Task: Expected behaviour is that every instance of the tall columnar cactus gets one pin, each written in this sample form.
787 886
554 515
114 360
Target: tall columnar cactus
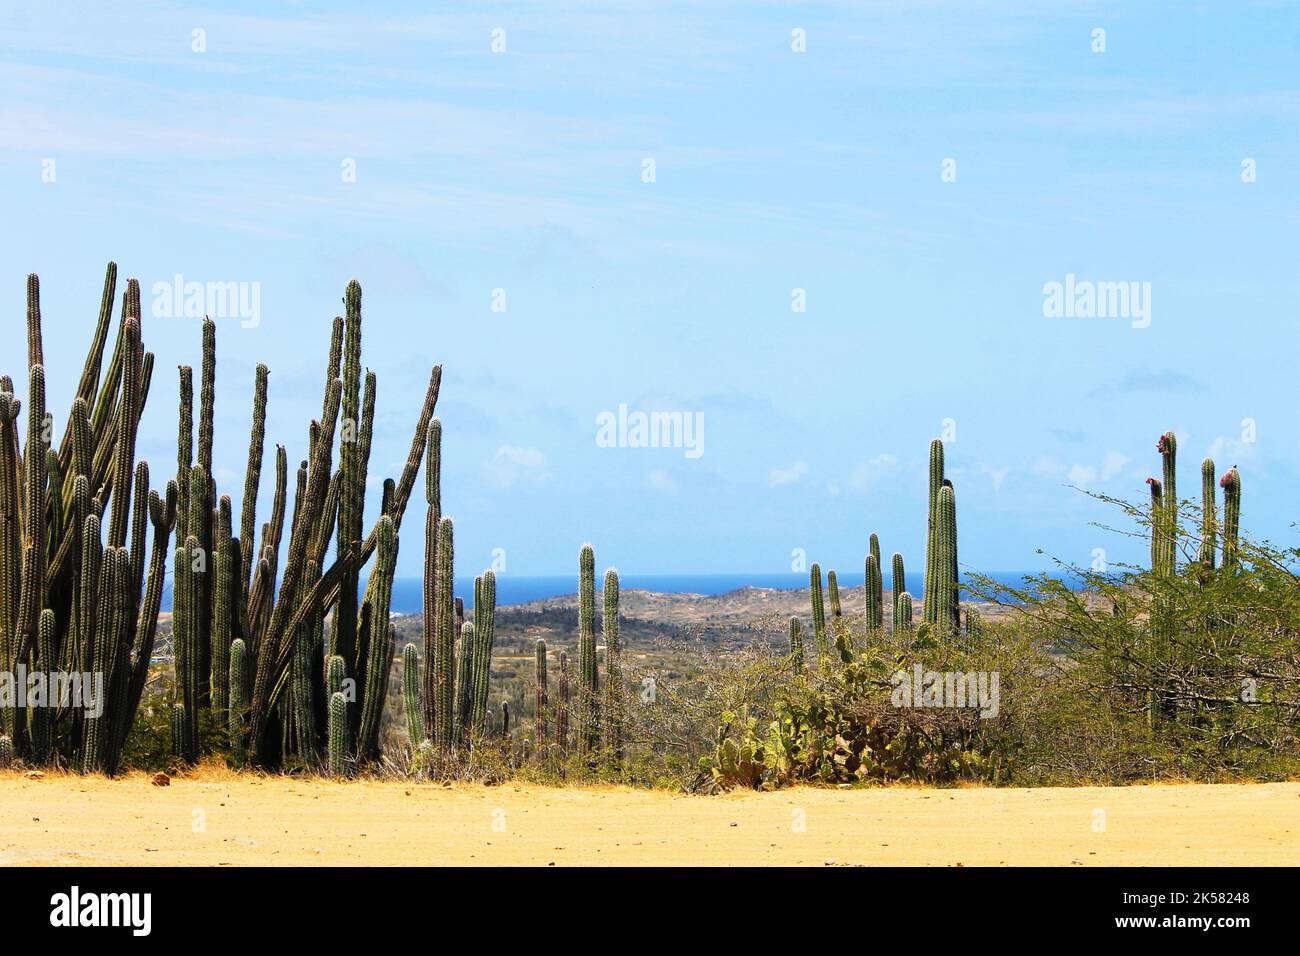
872 588
351 477
238 700
542 696
485 613
411 694
833 592
433 495
796 643
1231 484
1157 527
933 576
946 544
613 670
588 682
562 710
898 585
252 481
820 640
444 646
1168 448
904 612
57 611
873 548
380 654
338 734
1209 520
463 715
225 577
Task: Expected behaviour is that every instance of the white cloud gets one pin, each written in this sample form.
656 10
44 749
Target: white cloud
1084 475
787 476
871 471
511 465
660 480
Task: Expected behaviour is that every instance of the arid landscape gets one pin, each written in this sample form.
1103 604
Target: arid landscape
217 818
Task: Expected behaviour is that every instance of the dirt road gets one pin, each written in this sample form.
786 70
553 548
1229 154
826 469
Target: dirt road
222 819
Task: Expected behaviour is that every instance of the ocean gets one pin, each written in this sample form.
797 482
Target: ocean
408 593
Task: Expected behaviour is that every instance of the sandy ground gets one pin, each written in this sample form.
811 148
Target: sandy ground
222 819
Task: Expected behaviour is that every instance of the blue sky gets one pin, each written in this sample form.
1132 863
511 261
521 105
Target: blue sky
774 171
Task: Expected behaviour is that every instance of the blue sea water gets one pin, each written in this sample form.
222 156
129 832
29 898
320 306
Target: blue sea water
408 593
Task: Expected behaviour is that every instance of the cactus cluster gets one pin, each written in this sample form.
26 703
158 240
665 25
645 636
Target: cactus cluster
249 631
84 545
598 710
81 577
1218 545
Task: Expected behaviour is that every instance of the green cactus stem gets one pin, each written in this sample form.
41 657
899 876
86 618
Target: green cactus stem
338 734
898 584
542 695
796 644
932 563
1231 484
613 714
411 694
1209 529
820 640
588 681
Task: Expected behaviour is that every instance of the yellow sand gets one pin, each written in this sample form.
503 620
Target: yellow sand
217 818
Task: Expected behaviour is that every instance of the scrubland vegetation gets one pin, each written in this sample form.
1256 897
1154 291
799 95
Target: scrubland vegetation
279 657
